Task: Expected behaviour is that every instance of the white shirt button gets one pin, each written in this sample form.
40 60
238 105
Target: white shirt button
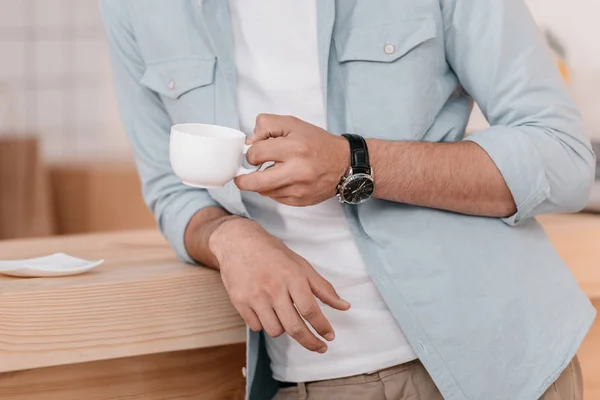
171 84
389 49
244 372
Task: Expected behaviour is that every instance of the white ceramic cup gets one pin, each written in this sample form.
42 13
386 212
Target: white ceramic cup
208 156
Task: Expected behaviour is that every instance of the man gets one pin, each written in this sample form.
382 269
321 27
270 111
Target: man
434 279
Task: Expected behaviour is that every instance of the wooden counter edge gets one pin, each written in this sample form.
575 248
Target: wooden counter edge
141 301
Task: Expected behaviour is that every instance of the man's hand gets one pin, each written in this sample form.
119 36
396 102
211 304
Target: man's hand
309 161
272 287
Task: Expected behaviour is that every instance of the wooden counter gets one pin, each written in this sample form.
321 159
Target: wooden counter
156 322
145 326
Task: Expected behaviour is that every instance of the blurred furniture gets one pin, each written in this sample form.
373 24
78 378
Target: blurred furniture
41 200
98 196
144 326
25 200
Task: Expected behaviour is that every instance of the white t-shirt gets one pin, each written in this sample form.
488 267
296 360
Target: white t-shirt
278 72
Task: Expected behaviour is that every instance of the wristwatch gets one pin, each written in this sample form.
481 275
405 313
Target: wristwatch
357 186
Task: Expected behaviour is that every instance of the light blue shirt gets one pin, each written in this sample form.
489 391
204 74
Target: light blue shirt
487 304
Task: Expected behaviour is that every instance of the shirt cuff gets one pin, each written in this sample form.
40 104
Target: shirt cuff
177 220
520 164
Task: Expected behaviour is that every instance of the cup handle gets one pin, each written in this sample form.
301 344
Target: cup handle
243 170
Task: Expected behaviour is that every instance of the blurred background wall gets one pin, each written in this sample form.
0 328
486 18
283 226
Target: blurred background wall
575 23
55 75
59 123
56 87
55 79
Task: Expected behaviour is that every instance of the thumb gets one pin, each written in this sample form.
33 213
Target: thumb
325 292
270 126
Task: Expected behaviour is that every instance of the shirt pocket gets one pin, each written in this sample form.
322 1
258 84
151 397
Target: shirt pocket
391 74
186 88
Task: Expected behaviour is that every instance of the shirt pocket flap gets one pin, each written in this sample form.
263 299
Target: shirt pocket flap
384 43
175 78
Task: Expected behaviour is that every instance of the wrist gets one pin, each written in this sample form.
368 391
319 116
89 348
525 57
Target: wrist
377 159
375 146
225 232
342 159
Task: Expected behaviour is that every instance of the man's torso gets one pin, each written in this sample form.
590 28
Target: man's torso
278 73
475 298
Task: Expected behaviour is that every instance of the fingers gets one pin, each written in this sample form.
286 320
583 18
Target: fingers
307 306
288 201
297 329
277 150
267 180
284 319
326 293
251 318
269 320
290 193
271 126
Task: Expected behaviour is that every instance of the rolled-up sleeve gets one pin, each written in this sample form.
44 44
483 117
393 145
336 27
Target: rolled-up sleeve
147 124
536 137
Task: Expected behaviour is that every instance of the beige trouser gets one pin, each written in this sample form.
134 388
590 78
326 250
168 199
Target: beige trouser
410 381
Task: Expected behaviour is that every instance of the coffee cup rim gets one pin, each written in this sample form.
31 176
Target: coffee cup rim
228 133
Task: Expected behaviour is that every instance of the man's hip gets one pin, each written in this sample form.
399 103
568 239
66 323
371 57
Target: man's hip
407 382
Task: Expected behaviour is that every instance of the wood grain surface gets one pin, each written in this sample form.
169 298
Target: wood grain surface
141 301
213 373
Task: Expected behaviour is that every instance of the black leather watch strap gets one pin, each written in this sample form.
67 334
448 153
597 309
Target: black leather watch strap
359 154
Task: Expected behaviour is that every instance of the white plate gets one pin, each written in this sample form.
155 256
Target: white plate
58 264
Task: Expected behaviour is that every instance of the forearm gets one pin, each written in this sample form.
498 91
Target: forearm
199 231
458 177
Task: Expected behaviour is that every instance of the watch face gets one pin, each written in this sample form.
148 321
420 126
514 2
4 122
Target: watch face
358 188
